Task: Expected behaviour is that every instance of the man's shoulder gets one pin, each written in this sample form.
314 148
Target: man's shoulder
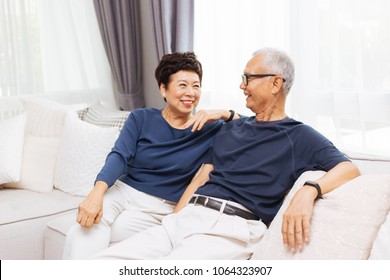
295 124
304 132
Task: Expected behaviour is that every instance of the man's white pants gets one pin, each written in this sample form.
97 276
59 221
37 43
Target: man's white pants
126 212
196 232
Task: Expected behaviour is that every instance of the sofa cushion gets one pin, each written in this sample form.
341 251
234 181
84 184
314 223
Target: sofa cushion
23 205
55 234
344 224
24 215
11 148
82 152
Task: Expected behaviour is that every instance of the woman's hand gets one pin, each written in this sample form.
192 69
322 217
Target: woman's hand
203 117
199 179
91 209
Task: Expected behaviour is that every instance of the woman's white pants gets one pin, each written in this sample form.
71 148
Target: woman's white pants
126 211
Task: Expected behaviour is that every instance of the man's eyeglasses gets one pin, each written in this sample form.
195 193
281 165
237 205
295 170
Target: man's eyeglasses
245 77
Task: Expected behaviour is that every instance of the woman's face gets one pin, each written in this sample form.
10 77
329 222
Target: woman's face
182 92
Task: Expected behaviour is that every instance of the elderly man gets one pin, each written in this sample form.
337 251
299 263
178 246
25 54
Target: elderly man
255 161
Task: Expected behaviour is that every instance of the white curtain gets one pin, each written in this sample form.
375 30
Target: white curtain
340 49
51 46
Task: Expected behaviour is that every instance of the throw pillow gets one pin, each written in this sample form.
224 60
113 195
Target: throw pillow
45 119
344 224
102 116
82 153
39 159
81 113
11 148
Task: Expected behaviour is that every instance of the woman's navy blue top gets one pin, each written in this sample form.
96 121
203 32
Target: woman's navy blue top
155 158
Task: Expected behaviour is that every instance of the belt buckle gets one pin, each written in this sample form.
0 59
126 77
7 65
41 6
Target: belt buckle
202 204
206 201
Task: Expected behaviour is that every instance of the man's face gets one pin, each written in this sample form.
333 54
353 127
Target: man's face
258 92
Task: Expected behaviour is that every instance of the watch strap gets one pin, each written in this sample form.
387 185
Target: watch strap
231 116
316 186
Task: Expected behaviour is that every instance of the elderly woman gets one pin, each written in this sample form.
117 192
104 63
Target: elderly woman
155 157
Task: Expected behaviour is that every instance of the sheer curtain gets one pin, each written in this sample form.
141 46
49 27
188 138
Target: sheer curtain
340 49
51 46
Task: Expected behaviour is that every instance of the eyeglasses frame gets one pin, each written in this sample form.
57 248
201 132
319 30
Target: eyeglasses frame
245 77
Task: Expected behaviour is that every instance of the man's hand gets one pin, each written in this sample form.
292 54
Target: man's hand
91 209
203 117
296 219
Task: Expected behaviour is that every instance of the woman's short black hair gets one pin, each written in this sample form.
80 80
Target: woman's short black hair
175 62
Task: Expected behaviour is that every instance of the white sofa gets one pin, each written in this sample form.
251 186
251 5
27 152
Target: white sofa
49 158
63 152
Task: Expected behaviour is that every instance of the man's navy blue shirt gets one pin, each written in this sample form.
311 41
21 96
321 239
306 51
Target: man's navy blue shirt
257 163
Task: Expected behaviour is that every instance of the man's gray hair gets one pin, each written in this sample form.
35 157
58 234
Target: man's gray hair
278 62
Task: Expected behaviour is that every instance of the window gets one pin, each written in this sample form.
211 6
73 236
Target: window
51 46
20 53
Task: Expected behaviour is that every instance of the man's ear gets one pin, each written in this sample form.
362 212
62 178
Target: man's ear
277 85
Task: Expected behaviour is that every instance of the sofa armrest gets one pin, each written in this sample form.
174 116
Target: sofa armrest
344 224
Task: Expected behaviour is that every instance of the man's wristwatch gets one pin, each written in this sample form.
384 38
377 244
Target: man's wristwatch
315 185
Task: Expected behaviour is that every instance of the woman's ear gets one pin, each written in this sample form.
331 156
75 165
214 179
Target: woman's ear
163 91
